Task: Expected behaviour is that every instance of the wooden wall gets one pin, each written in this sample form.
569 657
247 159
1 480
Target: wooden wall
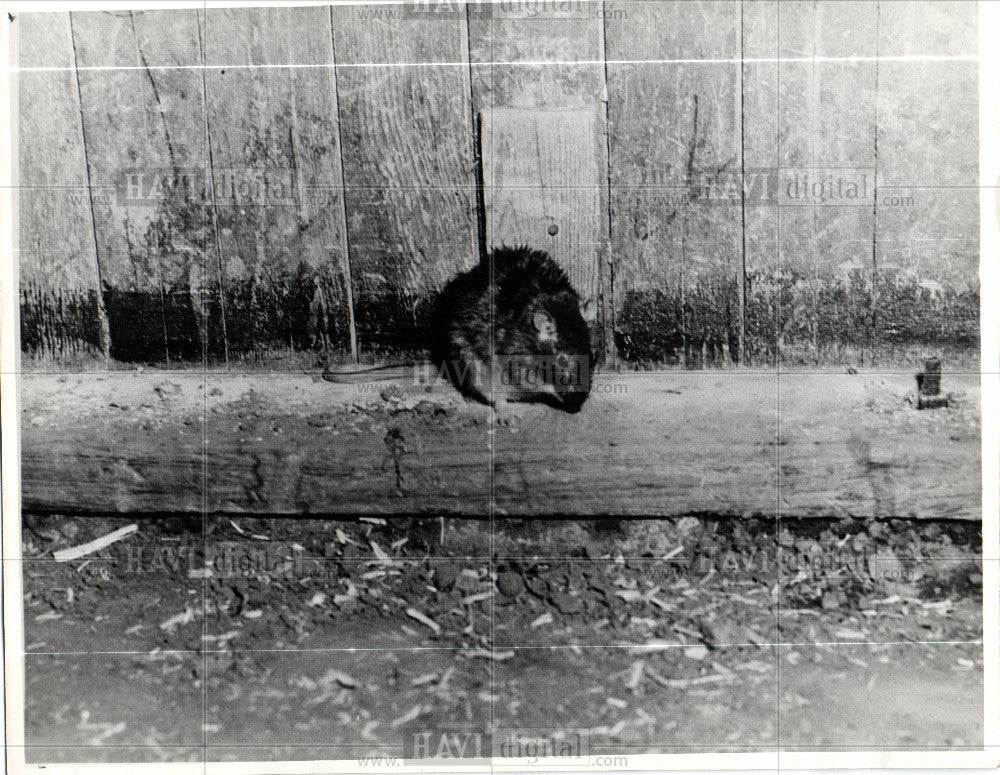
234 185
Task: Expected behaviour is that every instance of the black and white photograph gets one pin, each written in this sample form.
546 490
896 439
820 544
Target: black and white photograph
515 386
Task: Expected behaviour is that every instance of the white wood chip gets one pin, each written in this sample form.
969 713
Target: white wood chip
406 717
413 613
76 552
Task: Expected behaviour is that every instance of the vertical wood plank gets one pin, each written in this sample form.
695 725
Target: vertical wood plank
275 157
62 311
144 128
408 167
827 125
606 269
538 82
675 157
759 119
543 188
842 282
927 258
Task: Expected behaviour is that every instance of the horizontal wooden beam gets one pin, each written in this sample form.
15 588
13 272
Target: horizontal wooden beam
734 443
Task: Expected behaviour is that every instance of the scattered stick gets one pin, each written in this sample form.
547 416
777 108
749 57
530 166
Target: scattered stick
338 676
413 613
472 599
635 674
545 618
496 656
406 717
426 678
684 683
184 617
76 552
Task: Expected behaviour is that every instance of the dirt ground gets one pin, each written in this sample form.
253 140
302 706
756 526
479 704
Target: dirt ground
663 636
238 637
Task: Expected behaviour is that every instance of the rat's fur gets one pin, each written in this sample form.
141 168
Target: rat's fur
495 324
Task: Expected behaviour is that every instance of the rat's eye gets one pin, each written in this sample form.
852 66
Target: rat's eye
562 360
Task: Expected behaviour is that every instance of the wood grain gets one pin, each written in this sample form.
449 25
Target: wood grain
675 134
544 189
406 128
927 252
667 445
61 304
827 120
149 122
275 157
538 84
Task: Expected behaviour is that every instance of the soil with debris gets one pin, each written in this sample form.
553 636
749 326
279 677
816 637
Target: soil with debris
255 639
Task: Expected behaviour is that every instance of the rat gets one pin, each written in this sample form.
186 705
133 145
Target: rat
514 329
511 329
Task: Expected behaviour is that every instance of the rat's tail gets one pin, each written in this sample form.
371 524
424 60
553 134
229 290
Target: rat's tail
342 374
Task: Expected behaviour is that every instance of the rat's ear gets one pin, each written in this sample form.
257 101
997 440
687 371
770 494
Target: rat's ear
588 309
544 324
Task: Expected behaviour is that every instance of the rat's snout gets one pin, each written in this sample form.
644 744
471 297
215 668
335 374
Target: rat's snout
571 380
573 402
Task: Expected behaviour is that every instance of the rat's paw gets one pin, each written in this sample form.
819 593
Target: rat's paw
505 413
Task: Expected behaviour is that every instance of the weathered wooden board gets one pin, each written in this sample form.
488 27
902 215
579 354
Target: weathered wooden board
538 83
811 268
144 130
843 445
543 188
759 138
406 130
927 257
675 168
810 121
826 113
929 28
62 311
275 168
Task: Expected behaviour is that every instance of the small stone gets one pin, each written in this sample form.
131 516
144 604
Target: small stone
444 576
468 581
885 566
566 603
166 388
425 408
391 393
510 584
723 633
696 652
